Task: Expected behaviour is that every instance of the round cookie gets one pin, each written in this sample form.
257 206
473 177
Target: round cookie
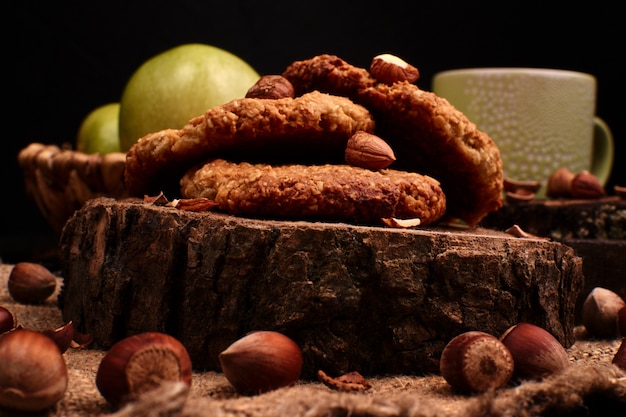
427 133
314 127
316 192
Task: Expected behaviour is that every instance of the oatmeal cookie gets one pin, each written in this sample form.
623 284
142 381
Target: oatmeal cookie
313 127
427 133
316 192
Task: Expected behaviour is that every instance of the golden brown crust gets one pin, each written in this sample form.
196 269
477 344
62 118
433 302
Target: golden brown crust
431 136
328 73
322 192
314 123
427 133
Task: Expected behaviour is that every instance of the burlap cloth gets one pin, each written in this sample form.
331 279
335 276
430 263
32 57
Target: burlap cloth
591 386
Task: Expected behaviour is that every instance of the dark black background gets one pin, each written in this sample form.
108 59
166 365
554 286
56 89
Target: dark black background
63 59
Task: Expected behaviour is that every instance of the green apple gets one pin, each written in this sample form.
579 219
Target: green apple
171 88
99 130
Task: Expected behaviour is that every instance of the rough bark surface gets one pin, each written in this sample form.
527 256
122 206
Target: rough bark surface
375 300
595 229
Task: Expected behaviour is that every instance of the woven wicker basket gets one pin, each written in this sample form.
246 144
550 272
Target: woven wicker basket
60 180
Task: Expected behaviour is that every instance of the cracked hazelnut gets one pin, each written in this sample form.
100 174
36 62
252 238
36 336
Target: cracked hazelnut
31 283
519 196
261 361
536 353
475 361
33 375
138 364
271 86
523 186
389 69
62 336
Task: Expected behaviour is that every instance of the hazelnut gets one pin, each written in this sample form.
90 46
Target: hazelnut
620 356
521 186
138 364
402 223
81 340
261 361
7 320
31 283
621 322
519 191
33 375
536 352
519 196
560 183
389 69
272 87
366 150
475 361
62 336
599 313
586 185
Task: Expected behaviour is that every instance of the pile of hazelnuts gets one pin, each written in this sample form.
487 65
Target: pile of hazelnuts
476 361
34 374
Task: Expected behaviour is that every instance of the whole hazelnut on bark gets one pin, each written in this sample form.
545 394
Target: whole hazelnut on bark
536 353
139 363
600 313
33 375
31 283
475 361
261 361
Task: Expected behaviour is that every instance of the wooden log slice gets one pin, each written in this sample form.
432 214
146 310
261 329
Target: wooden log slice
560 219
370 299
594 228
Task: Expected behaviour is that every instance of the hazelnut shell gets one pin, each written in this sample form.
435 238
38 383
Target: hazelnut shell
390 69
600 311
536 352
620 356
621 321
62 336
475 361
31 283
7 320
137 364
261 361
368 151
33 375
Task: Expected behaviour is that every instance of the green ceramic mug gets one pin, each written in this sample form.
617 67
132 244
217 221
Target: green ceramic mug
541 119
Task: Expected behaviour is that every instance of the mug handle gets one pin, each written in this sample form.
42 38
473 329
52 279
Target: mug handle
603 150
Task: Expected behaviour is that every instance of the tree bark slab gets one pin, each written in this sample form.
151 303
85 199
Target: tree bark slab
355 298
595 229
